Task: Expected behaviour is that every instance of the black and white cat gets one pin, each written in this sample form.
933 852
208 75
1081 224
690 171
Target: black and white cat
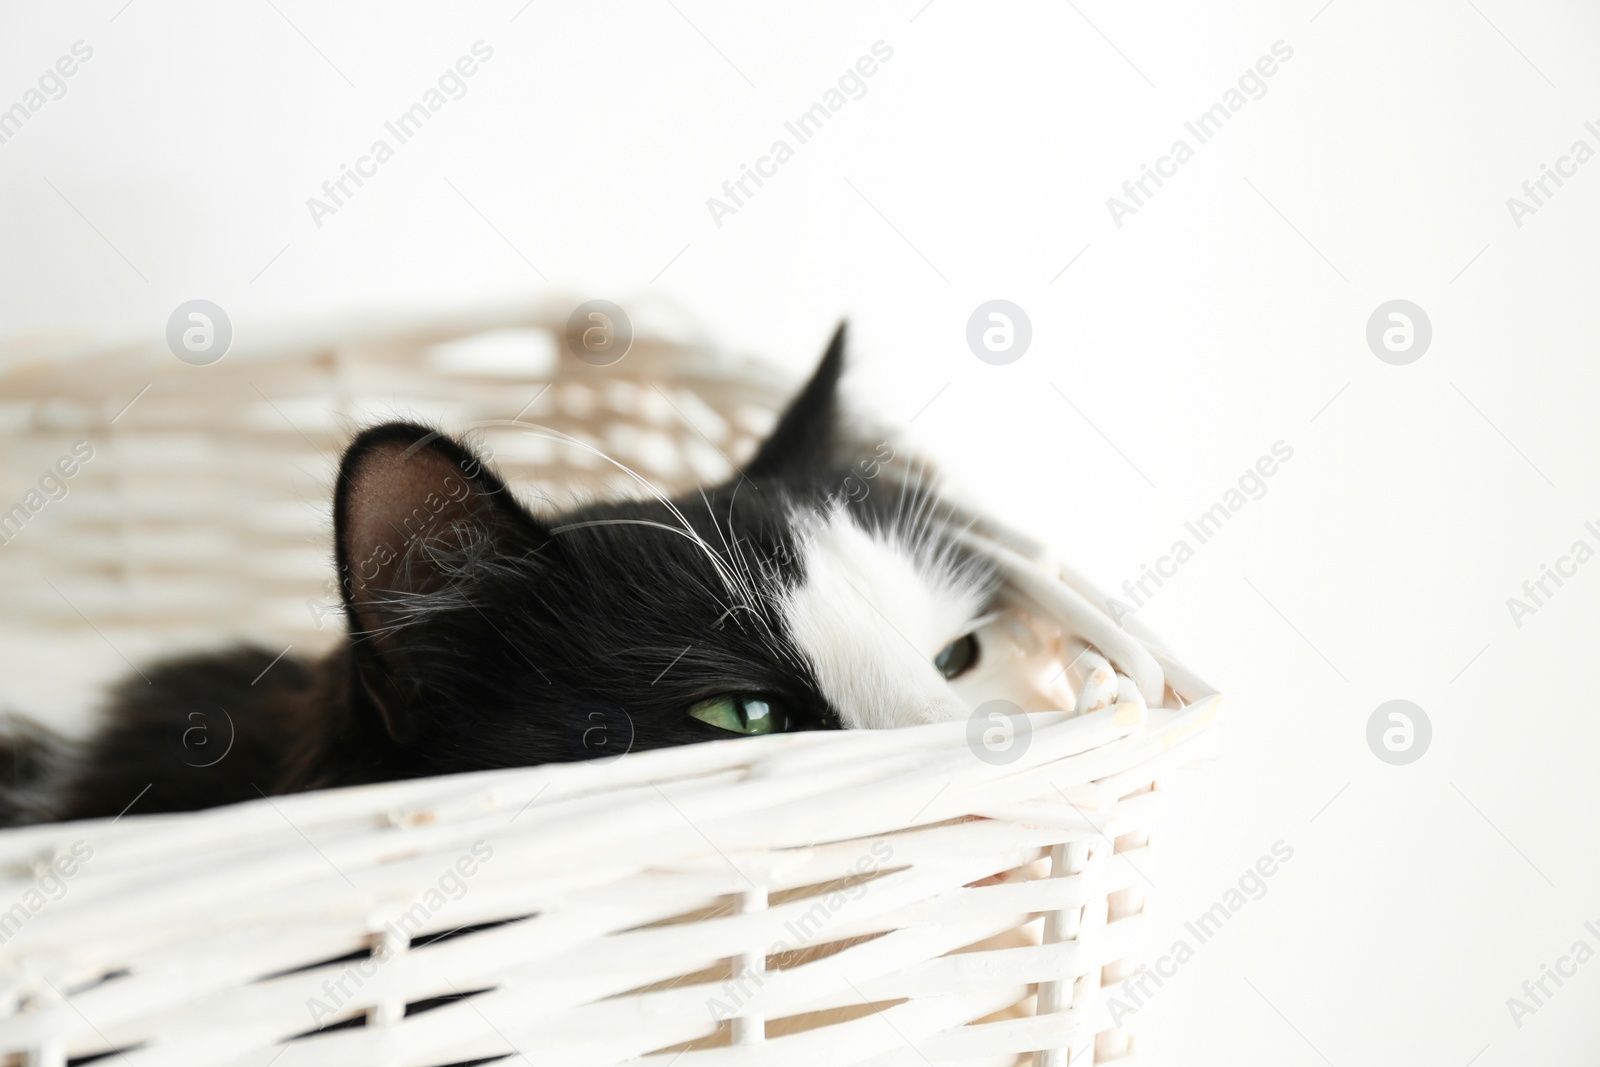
483 635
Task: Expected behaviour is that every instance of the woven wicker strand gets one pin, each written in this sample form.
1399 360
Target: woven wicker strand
883 898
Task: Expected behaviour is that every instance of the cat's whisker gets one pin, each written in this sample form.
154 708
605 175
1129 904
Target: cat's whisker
687 534
759 599
748 591
649 486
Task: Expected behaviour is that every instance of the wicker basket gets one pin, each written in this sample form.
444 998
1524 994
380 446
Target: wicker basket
955 893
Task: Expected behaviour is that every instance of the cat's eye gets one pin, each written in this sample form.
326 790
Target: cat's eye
742 714
958 657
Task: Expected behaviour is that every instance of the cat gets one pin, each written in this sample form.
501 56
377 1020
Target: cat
814 589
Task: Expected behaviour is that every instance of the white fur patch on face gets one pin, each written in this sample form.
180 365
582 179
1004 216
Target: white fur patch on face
870 615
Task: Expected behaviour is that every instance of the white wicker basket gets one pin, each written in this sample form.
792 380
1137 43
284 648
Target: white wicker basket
843 898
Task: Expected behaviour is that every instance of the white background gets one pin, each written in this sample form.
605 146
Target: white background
1227 314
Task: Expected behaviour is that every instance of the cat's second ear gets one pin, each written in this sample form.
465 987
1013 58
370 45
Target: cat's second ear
411 509
808 430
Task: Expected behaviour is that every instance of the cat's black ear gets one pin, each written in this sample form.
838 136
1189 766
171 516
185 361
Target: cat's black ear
806 433
411 505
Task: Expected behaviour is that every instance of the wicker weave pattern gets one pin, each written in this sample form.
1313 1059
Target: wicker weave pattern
210 485
849 898
201 909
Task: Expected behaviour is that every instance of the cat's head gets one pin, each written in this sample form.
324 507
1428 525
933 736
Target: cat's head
819 588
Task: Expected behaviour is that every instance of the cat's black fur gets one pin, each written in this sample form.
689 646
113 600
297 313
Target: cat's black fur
480 635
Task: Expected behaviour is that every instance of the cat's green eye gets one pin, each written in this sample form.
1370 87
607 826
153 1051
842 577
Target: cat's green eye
741 715
958 657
